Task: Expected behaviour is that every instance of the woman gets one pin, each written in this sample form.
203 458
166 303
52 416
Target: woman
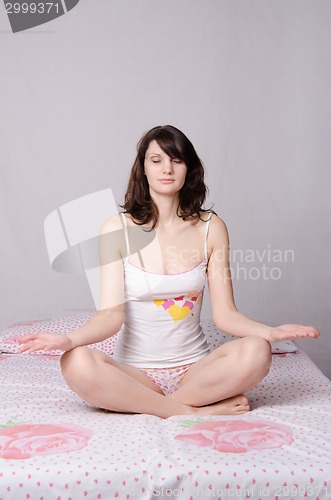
162 364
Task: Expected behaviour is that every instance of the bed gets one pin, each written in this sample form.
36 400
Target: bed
54 446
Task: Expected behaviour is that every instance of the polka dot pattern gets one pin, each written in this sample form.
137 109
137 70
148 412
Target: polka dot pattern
65 324
129 456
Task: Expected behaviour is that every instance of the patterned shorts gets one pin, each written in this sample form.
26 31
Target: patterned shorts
168 379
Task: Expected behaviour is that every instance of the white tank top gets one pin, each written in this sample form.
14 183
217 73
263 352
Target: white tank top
162 316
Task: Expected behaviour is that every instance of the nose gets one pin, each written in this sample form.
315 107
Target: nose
168 166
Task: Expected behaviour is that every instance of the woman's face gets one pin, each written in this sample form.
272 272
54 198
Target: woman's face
165 175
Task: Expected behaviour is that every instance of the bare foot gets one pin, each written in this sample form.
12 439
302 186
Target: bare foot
231 406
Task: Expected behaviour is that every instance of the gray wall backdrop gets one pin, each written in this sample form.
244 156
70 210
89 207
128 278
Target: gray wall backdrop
247 81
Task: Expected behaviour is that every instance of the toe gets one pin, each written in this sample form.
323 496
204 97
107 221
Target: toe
243 408
243 400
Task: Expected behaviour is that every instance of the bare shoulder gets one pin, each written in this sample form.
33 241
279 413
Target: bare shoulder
113 223
218 231
216 223
111 240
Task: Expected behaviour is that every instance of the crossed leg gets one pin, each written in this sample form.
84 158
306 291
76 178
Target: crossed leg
211 386
229 370
114 386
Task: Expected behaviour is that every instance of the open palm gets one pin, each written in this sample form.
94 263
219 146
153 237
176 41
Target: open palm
291 332
32 342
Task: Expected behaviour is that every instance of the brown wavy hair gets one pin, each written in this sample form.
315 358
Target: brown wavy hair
138 201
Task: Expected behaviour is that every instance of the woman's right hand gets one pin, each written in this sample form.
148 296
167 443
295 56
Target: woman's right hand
32 342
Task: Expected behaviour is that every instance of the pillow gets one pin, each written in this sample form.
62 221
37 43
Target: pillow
65 324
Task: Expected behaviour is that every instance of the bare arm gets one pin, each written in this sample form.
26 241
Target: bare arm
225 313
103 325
109 319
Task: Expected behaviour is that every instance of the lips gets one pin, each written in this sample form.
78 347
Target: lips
167 181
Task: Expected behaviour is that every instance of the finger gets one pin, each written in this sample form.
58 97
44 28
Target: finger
32 346
45 347
28 336
308 329
23 348
314 331
299 327
35 348
304 333
26 346
49 347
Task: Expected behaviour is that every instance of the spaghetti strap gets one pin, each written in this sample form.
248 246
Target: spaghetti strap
127 243
206 236
126 235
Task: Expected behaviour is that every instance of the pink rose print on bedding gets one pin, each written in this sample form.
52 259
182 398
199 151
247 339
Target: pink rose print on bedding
24 441
237 436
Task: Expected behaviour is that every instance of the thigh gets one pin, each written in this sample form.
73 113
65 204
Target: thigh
72 361
137 373
231 347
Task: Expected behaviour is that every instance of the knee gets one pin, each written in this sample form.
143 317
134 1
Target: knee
257 352
72 363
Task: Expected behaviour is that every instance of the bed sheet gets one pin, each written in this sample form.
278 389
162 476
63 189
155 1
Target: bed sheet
54 446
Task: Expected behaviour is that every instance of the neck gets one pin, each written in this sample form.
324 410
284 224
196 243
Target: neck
167 207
